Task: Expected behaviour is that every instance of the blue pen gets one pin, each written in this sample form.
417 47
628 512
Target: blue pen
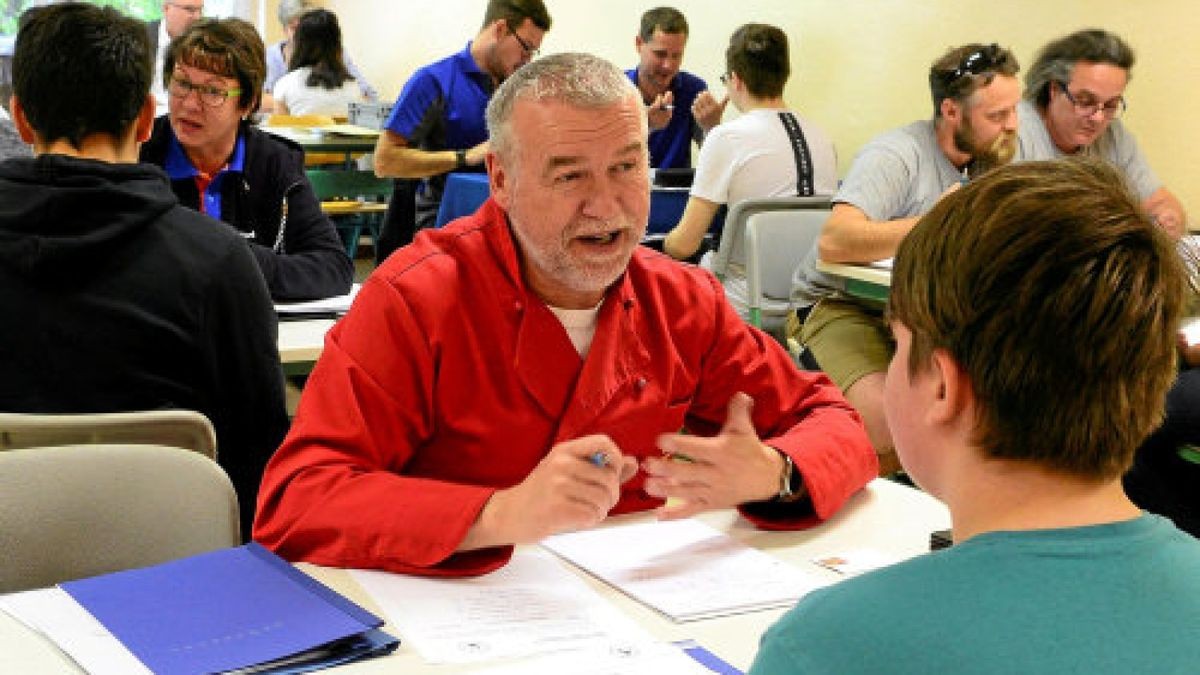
598 458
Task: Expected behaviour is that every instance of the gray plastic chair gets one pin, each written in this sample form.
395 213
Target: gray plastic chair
69 512
785 229
185 429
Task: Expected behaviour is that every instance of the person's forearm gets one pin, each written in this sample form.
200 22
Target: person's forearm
401 162
862 241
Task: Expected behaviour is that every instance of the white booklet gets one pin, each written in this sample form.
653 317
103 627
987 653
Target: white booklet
685 570
333 307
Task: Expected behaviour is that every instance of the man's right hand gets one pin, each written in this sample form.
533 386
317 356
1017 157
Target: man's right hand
658 114
566 491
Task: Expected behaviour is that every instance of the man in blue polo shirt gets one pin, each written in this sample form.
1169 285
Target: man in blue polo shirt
437 124
679 106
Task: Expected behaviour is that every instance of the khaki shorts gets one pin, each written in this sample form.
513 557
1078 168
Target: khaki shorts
849 340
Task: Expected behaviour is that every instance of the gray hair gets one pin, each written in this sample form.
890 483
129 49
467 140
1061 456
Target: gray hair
292 9
577 79
1056 61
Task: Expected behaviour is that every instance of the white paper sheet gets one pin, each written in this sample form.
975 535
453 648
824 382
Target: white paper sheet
685 569
338 304
652 659
533 605
55 614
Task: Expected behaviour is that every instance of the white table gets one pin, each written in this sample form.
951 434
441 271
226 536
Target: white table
300 342
885 516
862 281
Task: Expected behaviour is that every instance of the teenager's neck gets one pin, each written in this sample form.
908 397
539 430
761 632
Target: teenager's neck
1011 495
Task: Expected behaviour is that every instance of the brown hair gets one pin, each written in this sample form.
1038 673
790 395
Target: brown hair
666 19
758 53
228 47
514 13
1060 299
963 70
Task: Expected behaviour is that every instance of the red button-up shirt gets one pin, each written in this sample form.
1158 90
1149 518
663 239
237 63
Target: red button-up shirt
449 379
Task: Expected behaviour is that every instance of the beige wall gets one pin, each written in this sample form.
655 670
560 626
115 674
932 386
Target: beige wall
859 66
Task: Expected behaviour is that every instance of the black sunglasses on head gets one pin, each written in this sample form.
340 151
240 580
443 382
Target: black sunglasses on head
979 61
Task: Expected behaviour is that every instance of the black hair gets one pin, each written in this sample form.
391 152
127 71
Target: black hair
79 70
318 45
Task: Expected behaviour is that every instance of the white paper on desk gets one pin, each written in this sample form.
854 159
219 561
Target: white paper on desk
533 605
55 614
885 264
338 304
651 659
685 569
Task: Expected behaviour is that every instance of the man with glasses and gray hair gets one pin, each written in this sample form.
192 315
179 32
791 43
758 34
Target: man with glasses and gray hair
1074 97
177 15
527 370
437 124
896 178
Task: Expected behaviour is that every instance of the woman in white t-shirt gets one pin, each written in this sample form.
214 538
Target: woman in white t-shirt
753 155
317 82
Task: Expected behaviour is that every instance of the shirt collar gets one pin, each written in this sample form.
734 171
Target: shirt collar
178 166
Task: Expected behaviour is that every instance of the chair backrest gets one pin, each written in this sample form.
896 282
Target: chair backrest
77 511
185 429
732 247
776 242
329 184
280 120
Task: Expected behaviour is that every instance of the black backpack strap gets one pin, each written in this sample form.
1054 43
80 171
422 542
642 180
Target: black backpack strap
804 172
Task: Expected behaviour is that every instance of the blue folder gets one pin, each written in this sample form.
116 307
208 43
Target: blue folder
230 609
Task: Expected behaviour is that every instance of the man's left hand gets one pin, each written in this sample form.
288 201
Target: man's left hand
707 111
698 474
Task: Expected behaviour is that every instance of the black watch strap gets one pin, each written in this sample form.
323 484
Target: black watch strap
460 159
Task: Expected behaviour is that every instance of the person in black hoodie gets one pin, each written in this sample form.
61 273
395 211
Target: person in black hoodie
115 297
222 165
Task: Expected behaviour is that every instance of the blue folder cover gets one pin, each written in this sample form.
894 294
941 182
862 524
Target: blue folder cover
227 609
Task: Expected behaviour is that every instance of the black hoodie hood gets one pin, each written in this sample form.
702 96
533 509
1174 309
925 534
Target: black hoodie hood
63 216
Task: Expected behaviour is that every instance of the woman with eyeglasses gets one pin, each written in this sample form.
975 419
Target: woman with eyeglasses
318 82
219 163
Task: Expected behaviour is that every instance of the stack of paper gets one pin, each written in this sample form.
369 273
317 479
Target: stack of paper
326 308
685 569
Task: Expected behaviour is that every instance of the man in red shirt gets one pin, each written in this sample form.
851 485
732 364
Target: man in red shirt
527 370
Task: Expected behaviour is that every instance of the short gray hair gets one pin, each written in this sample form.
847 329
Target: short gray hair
292 9
577 79
1056 61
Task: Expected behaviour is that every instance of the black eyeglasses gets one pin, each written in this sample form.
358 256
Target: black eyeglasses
212 97
1086 108
530 50
979 61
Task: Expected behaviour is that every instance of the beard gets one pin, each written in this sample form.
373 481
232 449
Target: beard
985 156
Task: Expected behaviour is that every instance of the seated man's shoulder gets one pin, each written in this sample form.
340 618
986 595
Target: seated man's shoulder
671 282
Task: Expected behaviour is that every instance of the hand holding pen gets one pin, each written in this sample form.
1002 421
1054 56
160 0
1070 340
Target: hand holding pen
659 112
573 487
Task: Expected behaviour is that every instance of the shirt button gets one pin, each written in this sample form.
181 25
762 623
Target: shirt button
641 383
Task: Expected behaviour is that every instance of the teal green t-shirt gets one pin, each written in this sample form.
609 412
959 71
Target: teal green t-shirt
1116 598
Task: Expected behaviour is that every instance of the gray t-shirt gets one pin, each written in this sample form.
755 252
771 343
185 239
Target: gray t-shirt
1115 146
11 144
898 174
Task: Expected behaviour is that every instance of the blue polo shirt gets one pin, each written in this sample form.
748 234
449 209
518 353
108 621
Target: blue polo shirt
442 107
178 167
671 146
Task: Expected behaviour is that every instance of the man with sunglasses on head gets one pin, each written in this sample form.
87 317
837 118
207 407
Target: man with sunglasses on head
437 124
1074 97
896 178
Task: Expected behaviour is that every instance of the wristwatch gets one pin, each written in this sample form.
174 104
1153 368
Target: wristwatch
460 159
791 488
